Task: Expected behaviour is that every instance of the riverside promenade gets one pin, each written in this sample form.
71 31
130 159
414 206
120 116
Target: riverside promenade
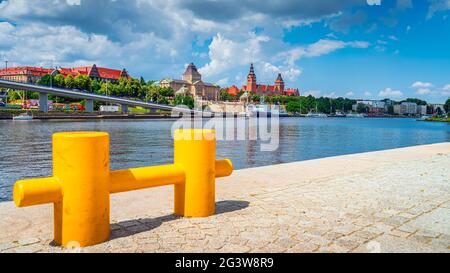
387 201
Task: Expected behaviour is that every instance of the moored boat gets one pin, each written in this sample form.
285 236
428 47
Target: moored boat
24 116
316 115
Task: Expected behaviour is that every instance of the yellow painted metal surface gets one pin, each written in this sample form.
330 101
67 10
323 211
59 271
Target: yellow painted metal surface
149 177
224 168
81 163
195 151
82 182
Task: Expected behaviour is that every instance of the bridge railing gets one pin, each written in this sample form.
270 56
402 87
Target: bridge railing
82 182
88 96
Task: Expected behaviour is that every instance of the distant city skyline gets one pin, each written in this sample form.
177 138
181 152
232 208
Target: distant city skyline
390 49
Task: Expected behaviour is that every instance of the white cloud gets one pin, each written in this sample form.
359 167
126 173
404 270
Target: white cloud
314 93
393 38
350 94
226 54
446 90
438 6
222 82
330 95
420 84
374 2
404 4
73 2
319 48
269 71
367 94
423 91
325 46
390 93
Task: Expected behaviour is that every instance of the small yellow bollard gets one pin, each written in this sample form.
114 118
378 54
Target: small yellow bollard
82 182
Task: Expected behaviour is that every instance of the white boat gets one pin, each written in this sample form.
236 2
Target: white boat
25 116
424 118
340 115
316 115
264 110
354 115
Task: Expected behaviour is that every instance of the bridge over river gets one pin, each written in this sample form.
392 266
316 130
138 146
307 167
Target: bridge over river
44 91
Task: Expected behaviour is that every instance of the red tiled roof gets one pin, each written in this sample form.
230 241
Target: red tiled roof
105 73
109 73
233 90
266 88
67 71
36 71
292 92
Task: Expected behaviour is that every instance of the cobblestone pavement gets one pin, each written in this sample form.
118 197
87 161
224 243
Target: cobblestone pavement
389 201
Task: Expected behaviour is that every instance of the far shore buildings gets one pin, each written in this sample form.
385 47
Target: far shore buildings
406 109
29 74
193 83
381 107
264 89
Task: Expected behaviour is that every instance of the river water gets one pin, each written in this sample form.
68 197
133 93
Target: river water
26 146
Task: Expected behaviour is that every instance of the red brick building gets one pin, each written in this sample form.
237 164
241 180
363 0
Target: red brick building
96 73
264 89
233 90
24 74
28 74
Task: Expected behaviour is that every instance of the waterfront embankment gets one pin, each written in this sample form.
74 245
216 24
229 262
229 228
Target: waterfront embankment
439 119
387 201
84 116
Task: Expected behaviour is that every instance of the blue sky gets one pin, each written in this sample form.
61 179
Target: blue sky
381 49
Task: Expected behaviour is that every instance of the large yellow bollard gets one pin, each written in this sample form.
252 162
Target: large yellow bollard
195 151
79 188
81 160
82 182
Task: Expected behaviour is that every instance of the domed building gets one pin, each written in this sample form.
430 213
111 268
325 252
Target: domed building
192 80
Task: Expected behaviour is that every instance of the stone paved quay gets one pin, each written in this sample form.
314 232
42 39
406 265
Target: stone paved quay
388 201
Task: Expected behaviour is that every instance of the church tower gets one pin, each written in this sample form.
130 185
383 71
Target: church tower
191 74
251 80
279 83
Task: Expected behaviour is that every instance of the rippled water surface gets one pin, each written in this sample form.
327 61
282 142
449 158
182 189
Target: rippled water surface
26 146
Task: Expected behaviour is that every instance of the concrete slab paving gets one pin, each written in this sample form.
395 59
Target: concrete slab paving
388 201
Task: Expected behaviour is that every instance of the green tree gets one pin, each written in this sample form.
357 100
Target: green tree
309 103
293 107
69 82
162 100
184 100
44 80
59 81
362 108
96 86
391 110
83 82
151 82
447 106
255 98
323 105
417 101
225 96
166 92
108 89
152 93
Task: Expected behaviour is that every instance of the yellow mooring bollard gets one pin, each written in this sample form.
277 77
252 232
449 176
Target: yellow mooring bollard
82 182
